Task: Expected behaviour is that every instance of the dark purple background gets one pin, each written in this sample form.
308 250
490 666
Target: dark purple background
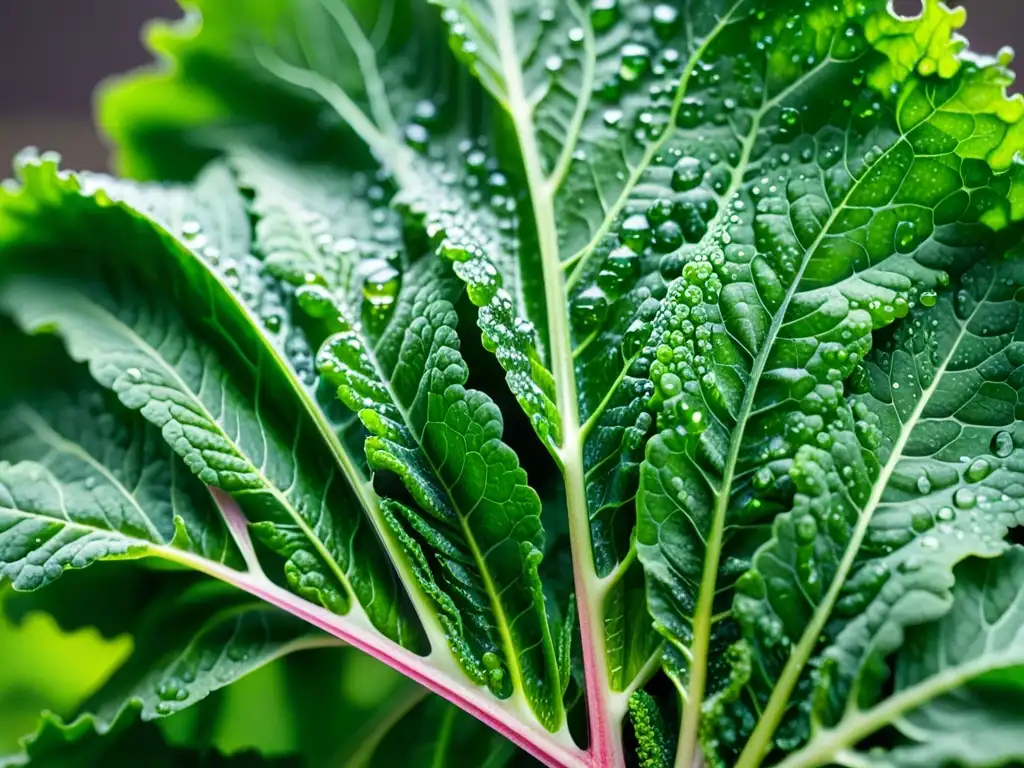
52 53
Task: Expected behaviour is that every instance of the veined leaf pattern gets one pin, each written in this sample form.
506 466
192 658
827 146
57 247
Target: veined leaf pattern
148 355
955 680
83 481
916 474
839 218
749 269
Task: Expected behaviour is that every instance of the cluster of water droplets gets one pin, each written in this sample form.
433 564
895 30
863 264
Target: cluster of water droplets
177 688
680 346
470 215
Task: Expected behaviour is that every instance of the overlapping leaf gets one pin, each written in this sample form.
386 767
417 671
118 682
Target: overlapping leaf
957 679
845 206
201 397
739 262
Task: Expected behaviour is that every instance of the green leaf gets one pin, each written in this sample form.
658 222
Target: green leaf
747 268
80 744
957 679
204 640
946 484
224 82
495 625
436 733
837 207
473 509
83 480
128 588
201 398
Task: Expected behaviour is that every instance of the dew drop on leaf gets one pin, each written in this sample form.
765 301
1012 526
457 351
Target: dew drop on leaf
635 60
964 498
315 300
380 288
687 173
636 232
1002 444
978 471
603 14
589 309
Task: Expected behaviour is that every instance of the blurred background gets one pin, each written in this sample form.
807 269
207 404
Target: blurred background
52 53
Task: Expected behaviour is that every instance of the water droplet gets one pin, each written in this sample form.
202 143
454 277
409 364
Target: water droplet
635 232
930 542
921 520
906 237
946 514
665 19
417 136
668 237
612 117
964 498
272 321
978 471
134 373
623 262
924 485
170 690
687 174
316 301
635 59
380 288
1002 444
929 298
603 14
789 119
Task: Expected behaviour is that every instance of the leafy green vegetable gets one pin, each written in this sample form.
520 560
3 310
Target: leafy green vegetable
742 398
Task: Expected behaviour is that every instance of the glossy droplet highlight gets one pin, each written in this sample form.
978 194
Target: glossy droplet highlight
978 471
964 498
315 300
687 174
380 287
635 60
589 309
635 232
1002 444
665 19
